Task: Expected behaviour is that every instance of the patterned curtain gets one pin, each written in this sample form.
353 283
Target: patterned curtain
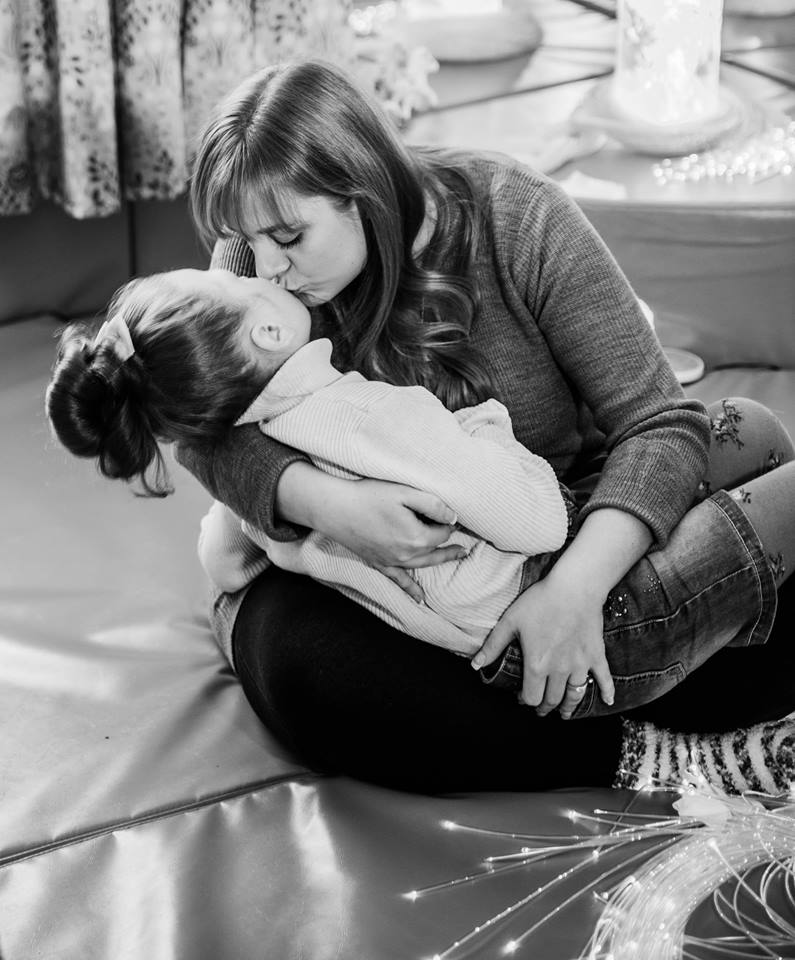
102 99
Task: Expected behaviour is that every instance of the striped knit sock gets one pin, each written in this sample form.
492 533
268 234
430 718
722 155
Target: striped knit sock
761 757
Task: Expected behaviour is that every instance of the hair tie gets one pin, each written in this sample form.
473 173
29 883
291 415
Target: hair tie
116 332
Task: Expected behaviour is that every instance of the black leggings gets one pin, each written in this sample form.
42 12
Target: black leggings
349 694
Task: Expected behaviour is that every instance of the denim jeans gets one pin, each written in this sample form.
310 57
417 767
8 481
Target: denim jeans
710 587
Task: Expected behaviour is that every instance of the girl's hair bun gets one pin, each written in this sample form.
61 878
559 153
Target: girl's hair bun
96 405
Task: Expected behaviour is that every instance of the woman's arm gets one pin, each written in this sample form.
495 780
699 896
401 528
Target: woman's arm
276 489
558 621
243 471
657 443
390 526
657 439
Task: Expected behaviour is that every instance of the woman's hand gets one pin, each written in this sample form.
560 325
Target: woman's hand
558 620
392 527
561 634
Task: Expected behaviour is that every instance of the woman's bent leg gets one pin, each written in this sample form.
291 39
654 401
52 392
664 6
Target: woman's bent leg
351 695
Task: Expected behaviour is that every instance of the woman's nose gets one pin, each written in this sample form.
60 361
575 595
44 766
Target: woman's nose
271 262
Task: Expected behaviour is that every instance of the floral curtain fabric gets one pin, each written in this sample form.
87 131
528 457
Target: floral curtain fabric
102 99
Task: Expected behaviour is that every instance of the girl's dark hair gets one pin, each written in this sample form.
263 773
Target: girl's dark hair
306 129
188 380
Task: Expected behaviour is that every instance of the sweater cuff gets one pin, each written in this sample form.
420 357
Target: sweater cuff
657 492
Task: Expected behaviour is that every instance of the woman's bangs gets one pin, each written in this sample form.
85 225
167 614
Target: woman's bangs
242 206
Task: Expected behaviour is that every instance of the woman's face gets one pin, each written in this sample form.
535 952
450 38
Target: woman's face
315 254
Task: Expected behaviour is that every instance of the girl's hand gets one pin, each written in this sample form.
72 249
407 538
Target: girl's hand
392 527
561 634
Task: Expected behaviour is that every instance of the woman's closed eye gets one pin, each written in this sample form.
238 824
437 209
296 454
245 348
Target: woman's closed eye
286 244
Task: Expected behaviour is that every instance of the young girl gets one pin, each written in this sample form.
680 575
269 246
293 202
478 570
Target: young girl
186 355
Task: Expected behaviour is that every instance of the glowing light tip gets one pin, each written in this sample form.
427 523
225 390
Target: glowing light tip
510 947
572 815
411 895
448 825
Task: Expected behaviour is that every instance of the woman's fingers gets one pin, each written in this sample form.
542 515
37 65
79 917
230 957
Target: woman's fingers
453 551
403 579
499 638
551 692
601 674
575 691
430 507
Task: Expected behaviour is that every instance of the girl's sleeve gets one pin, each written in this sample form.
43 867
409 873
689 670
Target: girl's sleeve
230 558
242 470
657 439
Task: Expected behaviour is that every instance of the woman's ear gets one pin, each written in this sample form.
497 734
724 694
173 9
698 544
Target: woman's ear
271 336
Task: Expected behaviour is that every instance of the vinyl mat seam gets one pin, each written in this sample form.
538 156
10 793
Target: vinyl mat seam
162 813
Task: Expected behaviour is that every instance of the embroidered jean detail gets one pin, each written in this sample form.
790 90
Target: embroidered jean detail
741 495
777 565
725 427
704 490
774 459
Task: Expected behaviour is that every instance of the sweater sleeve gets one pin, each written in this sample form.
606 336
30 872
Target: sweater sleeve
657 439
229 557
233 254
242 470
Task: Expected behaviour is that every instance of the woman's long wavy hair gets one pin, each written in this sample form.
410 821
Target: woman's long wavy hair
188 380
305 130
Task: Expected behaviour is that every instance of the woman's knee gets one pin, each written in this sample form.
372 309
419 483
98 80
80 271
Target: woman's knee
748 439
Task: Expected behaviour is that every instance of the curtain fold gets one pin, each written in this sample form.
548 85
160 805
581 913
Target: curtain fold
102 100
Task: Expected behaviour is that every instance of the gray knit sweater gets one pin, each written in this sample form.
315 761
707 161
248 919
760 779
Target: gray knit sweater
575 361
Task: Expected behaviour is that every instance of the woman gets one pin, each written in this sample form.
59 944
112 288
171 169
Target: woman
475 277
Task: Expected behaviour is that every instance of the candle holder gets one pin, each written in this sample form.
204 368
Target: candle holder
664 97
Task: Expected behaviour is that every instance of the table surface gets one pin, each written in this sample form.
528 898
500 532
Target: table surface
522 107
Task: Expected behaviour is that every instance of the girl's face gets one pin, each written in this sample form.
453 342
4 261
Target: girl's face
315 254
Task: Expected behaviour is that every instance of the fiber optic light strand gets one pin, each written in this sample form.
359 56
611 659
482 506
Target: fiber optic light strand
747 841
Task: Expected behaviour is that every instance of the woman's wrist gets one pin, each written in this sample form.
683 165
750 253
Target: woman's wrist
303 495
609 542
294 502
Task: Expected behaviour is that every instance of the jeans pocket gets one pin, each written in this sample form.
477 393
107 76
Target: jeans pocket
632 690
506 672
